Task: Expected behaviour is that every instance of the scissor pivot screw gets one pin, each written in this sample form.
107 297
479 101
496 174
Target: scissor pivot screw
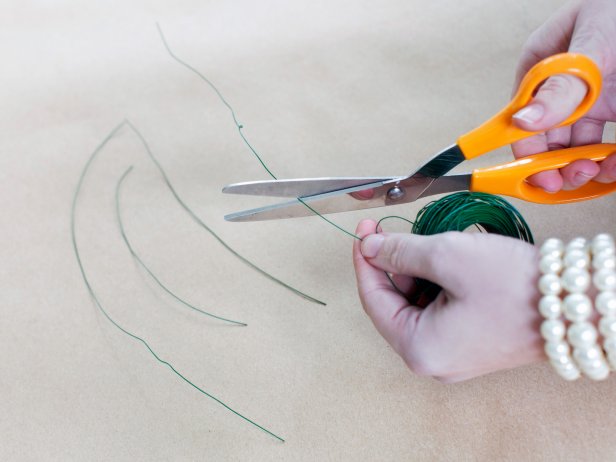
395 193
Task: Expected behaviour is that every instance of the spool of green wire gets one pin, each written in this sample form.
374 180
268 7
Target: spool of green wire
459 212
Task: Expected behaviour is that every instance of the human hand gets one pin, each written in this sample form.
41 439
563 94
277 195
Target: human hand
485 318
581 26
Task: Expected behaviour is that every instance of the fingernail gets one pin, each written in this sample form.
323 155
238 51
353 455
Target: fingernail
371 245
530 114
581 178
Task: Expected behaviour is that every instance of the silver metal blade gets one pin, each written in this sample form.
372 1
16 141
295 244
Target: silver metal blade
427 180
330 202
436 167
300 187
405 189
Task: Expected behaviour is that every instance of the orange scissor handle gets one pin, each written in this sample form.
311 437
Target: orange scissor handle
510 179
500 131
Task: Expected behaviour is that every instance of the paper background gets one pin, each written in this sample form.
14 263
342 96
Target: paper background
322 88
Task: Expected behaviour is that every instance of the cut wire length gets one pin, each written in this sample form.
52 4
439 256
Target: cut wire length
99 305
239 127
146 268
202 224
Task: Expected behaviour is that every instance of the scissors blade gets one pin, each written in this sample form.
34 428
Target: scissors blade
300 187
437 166
391 192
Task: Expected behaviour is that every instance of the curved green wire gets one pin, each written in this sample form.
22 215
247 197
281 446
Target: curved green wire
239 126
201 223
104 312
145 267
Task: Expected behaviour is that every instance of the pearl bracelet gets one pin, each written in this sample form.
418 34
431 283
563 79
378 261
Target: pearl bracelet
551 308
578 307
569 269
604 280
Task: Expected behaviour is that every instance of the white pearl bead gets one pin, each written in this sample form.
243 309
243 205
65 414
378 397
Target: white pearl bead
549 284
591 360
581 334
588 356
553 330
611 250
577 259
592 366
605 279
552 246
556 350
550 306
610 345
605 303
607 327
576 280
600 246
554 253
550 264
599 373
566 369
578 243
604 260
603 237
570 374
577 307
561 361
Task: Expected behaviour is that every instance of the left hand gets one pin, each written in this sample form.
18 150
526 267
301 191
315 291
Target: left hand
485 319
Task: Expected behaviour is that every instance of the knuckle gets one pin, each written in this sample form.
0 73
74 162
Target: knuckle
555 146
443 248
592 123
399 253
557 84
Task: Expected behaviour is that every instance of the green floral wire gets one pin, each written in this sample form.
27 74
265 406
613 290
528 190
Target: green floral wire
459 212
99 305
139 260
203 225
239 126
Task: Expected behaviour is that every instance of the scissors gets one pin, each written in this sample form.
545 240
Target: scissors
332 195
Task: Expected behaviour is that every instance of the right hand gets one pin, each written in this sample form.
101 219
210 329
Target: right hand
581 26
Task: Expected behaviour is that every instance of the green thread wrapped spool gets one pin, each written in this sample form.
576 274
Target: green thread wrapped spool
459 212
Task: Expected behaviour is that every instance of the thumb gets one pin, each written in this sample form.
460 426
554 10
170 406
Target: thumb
555 100
426 257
